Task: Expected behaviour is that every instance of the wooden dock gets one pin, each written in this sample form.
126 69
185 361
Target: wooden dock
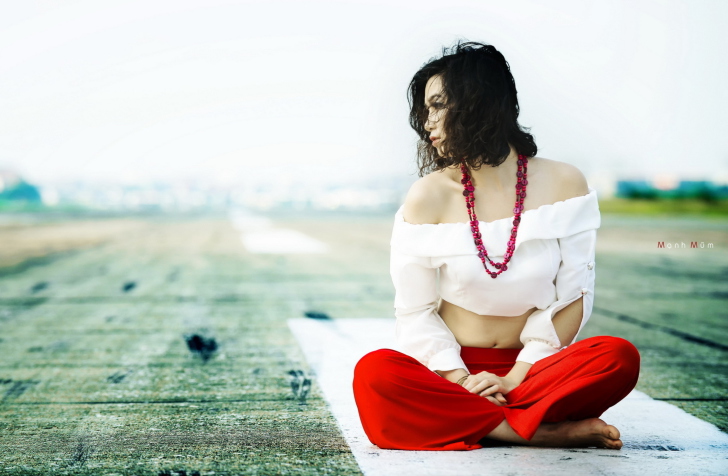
98 375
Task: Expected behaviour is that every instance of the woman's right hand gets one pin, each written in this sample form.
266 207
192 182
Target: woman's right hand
497 398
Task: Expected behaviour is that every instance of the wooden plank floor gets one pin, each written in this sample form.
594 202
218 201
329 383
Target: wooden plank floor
96 377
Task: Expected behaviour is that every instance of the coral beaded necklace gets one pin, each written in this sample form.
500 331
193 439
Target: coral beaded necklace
469 194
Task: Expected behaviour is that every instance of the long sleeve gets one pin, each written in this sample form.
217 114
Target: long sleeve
574 279
420 331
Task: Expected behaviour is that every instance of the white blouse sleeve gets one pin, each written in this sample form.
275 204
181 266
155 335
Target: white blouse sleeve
420 331
574 280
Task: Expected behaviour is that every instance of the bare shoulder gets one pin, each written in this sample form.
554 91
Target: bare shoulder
566 179
426 198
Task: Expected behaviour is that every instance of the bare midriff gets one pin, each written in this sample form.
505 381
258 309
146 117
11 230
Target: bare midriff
475 330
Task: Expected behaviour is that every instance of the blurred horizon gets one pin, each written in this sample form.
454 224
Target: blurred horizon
291 95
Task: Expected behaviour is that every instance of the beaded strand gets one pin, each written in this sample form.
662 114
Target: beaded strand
468 193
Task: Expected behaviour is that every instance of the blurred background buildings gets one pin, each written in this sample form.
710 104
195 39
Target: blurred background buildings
380 195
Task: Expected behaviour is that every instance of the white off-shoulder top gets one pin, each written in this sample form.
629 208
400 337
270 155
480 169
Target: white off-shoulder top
551 267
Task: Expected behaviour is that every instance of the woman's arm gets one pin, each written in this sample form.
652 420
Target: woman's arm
549 330
420 331
544 334
566 322
452 375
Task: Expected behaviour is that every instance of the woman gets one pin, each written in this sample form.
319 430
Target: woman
490 296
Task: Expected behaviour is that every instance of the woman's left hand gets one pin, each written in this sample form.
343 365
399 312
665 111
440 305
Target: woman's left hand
487 384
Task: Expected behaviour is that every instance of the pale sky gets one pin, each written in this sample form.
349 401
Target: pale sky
233 91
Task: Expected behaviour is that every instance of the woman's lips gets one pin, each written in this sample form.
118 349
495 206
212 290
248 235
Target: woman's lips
434 140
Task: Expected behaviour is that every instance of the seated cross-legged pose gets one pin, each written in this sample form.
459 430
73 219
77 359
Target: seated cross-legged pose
492 259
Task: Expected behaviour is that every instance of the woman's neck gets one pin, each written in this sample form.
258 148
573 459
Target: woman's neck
498 178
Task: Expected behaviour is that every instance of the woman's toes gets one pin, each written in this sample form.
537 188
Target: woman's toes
611 432
611 437
614 444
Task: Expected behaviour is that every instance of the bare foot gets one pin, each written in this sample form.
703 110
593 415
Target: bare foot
578 434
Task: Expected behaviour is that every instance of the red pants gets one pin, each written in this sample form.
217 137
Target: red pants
403 405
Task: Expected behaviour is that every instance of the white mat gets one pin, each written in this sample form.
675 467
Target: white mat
659 438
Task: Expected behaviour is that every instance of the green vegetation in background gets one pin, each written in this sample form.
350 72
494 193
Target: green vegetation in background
645 206
23 206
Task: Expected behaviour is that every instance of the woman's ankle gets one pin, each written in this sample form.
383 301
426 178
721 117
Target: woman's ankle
505 433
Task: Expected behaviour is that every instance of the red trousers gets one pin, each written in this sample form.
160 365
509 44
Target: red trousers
403 405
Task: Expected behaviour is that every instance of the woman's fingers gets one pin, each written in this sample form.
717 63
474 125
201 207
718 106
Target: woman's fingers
495 401
472 383
479 386
490 390
474 379
485 385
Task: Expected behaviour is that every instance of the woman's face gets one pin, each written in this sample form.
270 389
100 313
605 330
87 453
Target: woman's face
435 101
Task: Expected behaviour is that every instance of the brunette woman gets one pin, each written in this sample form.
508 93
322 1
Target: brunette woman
493 266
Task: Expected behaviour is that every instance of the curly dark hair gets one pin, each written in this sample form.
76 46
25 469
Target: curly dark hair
482 109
